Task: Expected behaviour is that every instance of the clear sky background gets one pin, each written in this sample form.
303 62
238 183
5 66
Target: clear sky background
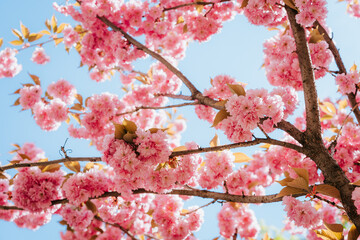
236 51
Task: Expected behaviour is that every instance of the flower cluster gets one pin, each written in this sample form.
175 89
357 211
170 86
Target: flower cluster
34 190
217 168
356 198
347 82
39 56
80 187
246 112
8 63
70 36
303 214
237 218
76 217
282 64
169 220
310 11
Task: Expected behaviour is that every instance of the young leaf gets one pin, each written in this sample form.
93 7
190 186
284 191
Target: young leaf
221 115
35 78
286 191
54 23
17 33
353 233
24 30
302 172
61 27
180 148
1 41
73 166
328 190
51 168
338 228
34 36
130 126
17 42
237 89
119 131
241 157
300 183
91 206
215 141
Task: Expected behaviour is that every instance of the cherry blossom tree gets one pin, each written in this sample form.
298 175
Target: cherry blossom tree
137 187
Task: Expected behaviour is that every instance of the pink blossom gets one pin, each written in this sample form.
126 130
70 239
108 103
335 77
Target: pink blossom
8 63
29 96
63 90
303 214
58 110
76 217
82 186
34 190
39 56
29 152
70 36
32 220
356 198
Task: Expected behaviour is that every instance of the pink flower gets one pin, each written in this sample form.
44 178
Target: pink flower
82 186
356 198
62 89
76 217
34 190
39 56
70 36
58 110
303 214
29 96
8 63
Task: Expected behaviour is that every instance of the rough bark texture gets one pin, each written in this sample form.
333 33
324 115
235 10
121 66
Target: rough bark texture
313 142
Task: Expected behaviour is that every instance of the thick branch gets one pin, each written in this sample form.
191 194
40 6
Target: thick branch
340 65
313 126
291 130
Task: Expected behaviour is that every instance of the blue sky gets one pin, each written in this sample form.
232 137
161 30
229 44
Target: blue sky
236 51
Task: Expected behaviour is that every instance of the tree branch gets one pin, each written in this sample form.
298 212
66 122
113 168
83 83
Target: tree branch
194 4
173 154
340 65
118 226
195 93
313 126
188 192
237 145
156 108
33 164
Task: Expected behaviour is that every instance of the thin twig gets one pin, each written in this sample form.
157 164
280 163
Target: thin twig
174 154
118 226
262 130
175 96
329 202
195 93
203 206
62 160
156 108
193 4
334 143
339 63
